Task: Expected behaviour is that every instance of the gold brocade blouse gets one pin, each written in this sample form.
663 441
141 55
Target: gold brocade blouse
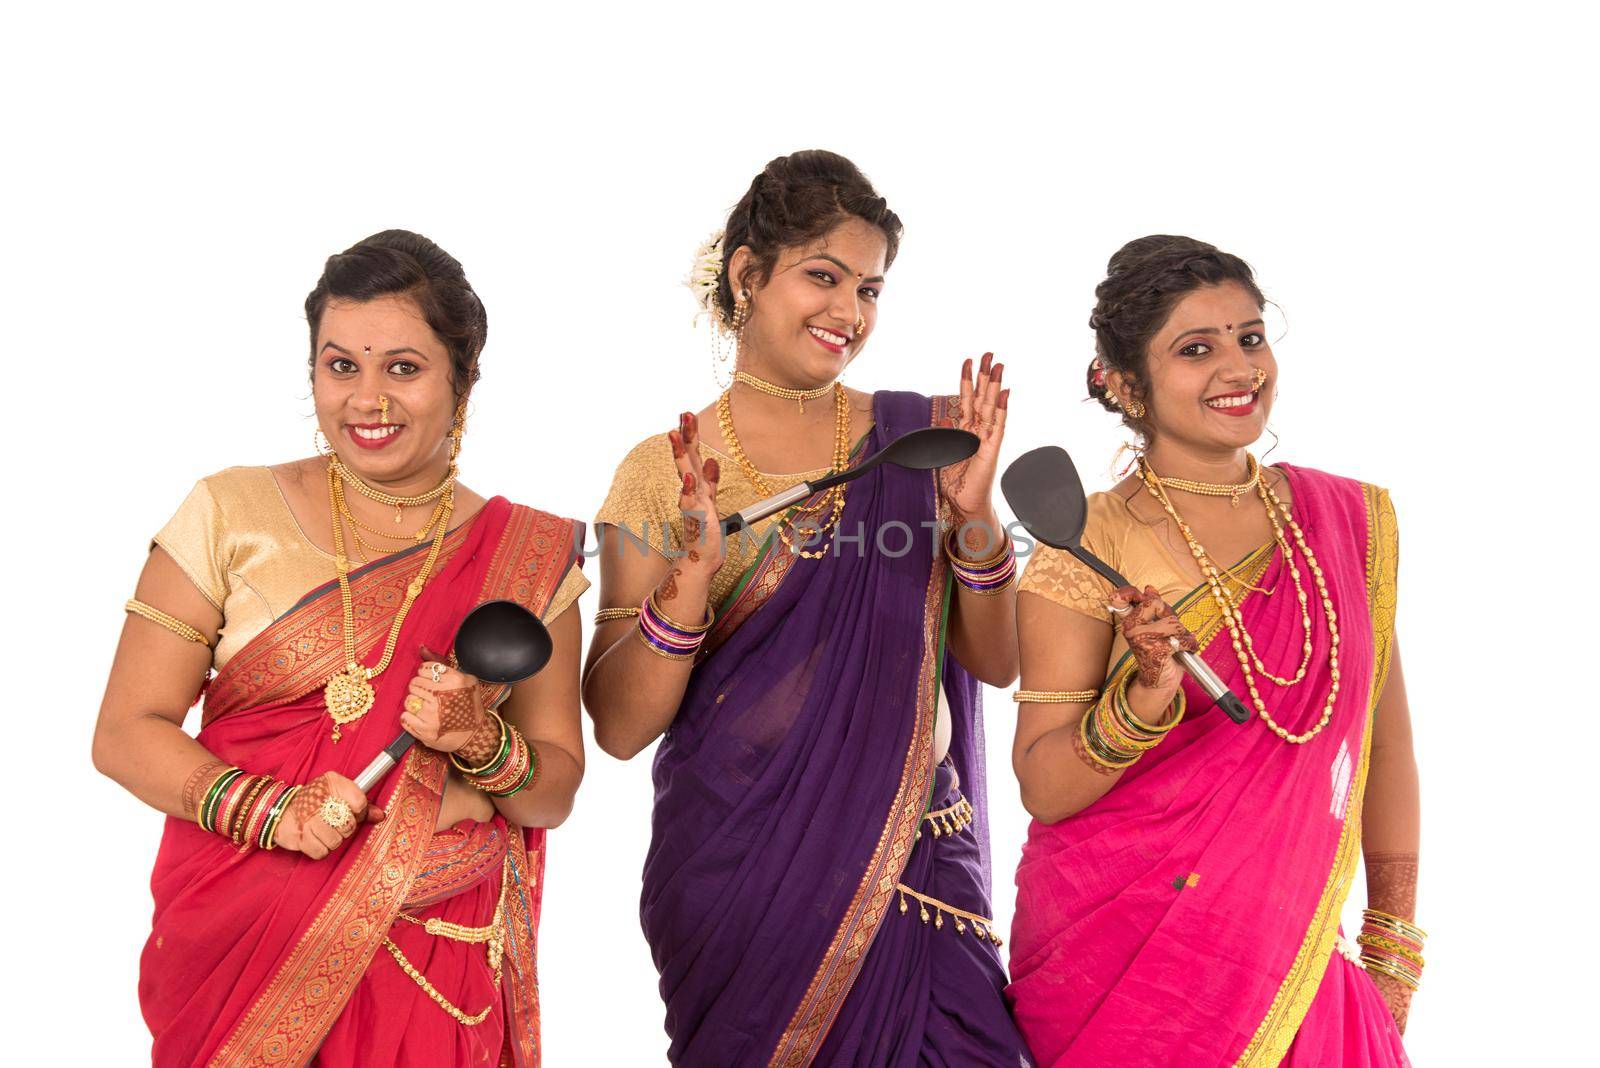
643 503
1129 544
237 540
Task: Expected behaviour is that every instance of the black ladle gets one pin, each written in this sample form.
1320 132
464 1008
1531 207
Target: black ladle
920 450
499 642
1045 492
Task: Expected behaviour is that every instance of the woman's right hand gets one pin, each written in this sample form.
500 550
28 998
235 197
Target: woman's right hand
703 545
1149 625
305 828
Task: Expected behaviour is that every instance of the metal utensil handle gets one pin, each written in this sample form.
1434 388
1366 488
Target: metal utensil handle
1207 680
758 511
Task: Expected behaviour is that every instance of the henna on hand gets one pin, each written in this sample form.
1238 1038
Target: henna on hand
1392 884
307 803
195 785
1396 995
1149 625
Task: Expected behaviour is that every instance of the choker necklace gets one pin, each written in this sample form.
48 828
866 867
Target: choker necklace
801 395
1213 489
396 502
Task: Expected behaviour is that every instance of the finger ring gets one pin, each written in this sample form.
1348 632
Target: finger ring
337 813
437 671
413 703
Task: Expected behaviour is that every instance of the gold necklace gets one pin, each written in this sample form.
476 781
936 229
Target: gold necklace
392 500
800 395
1243 646
364 548
1214 489
349 694
831 501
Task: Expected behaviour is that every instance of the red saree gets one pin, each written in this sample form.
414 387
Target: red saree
260 958
1188 917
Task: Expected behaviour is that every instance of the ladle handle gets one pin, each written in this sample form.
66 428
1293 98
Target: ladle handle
758 511
1207 680
374 772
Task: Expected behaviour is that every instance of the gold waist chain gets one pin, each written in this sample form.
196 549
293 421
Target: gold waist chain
493 935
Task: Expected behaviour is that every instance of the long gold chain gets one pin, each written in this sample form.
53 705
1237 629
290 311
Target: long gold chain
761 385
1214 489
831 501
349 694
1243 645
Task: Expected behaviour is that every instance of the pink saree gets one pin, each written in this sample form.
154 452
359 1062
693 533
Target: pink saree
271 958
1189 916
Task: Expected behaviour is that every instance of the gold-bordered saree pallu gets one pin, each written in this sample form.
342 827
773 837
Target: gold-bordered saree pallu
1189 915
791 782
256 957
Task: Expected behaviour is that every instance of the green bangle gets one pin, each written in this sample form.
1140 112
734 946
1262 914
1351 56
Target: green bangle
533 766
496 762
208 808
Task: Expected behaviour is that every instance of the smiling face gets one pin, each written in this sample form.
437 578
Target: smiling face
383 348
1211 372
802 331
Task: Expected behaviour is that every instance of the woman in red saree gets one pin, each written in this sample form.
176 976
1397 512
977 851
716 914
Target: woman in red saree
1179 895
296 923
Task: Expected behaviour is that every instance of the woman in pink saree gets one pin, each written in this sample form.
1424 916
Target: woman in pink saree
296 921
1180 891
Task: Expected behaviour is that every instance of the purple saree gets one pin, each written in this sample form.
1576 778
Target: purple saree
789 794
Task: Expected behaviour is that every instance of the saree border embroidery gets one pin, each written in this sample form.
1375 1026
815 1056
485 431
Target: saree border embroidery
1293 999
842 961
303 646
312 985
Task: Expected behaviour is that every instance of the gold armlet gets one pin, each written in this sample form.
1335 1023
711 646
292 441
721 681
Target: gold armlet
172 623
1054 697
606 615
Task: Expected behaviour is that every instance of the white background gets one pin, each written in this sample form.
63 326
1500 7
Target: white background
1409 186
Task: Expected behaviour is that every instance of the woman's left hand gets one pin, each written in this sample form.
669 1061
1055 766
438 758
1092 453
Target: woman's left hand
444 709
1396 995
968 486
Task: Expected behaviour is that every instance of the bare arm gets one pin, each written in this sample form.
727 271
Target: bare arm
139 739
1063 651
545 709
1391 822
632 692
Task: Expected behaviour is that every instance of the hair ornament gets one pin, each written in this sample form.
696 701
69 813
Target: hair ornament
705 275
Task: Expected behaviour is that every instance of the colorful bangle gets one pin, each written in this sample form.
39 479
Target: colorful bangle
206 815
1392 946
260 811
275 816
666 637
518 771
246 806
986 577
501 751
1116 738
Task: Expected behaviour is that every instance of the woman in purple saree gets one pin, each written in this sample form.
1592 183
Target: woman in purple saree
1179 896
817 886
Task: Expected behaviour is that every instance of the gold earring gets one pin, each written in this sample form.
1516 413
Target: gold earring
320 443
458 428
383 410
741 311
1134 409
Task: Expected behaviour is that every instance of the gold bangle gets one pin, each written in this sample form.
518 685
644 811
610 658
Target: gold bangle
1393 971
976 565
1402 926
500 745
172 623
697 628
1054 697
605 615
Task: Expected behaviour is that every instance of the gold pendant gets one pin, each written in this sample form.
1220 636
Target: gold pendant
349 696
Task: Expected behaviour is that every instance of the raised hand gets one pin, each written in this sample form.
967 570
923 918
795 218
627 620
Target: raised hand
703 547
325 813
968 487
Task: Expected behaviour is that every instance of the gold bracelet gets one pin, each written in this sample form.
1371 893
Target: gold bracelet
605 615
976 565
1401 926
172 623
500 747
697 628
1054 697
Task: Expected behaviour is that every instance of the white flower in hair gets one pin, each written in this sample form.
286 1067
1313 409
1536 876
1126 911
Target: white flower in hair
703 276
